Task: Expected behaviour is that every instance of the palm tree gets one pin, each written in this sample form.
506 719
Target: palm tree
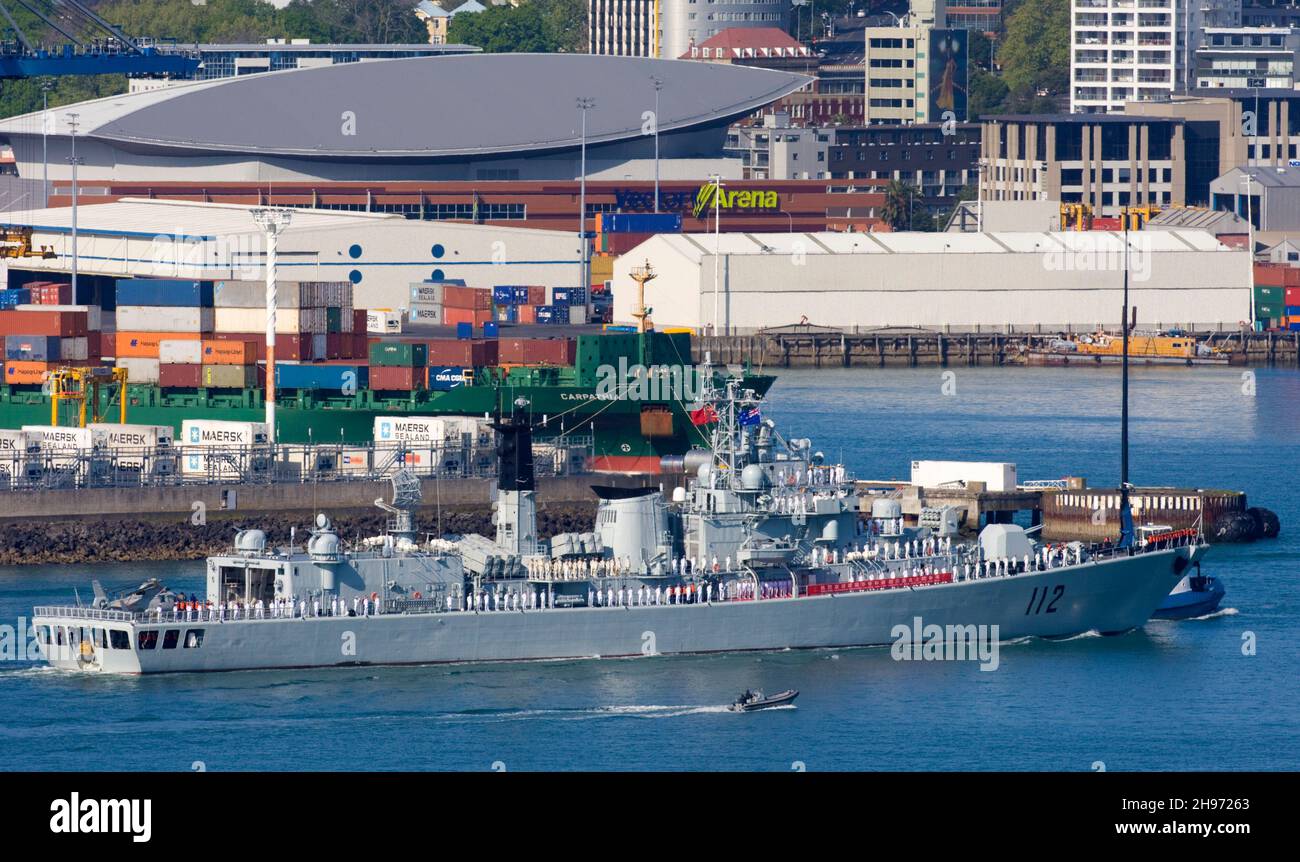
897 209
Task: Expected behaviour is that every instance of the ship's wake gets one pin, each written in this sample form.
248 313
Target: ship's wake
582 713
1221 612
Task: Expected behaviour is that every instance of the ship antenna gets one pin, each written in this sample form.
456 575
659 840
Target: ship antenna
1125 513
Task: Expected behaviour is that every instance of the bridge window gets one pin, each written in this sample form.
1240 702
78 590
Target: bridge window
170 638
119 639
193 638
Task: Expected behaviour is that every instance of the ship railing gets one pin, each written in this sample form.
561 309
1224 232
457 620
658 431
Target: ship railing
101 614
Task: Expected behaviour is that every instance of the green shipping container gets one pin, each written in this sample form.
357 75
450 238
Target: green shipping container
398 354
1269 296
333 319
1267 312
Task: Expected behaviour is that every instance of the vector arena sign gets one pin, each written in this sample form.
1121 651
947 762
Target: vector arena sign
707 197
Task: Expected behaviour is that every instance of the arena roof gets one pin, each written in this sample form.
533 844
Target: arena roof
426 107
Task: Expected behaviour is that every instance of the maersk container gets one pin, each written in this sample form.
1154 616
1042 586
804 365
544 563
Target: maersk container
409 429
425 313
232 465
33 348
426 292
56 437
164 291
217 432
351 378
135 436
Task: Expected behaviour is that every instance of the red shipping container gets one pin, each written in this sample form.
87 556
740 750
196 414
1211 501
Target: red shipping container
394 379
334 345
481 317
536 351
454 316
180 375
50 293
449 351
64 324
295 347
455 296
1292 296
527 314
537 296
358 321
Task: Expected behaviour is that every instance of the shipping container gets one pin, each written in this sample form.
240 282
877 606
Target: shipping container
14 443
74 349
577 315
180 351
215 352
1292 296
47 293
139 369
536 351
44 321
161 318
426 293
180 375
381 322
216 432
232 465
392 379
19 373
348 378
232 376
13 297
456 316
425 314
164 291
134 436
996 475
402 354
442 379
1270 295
503 294
519 295
430 430
527 314
59 437
146 344
474 298
33 348
491 329
288 321
297 347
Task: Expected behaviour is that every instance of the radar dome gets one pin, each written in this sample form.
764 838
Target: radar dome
250 541
753 478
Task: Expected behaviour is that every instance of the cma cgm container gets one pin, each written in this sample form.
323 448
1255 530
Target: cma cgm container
164 292
442 379
350 378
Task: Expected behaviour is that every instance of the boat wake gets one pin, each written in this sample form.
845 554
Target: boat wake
1221 612
581 713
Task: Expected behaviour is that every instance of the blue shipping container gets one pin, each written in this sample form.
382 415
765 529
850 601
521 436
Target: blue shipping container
562 295
464 330
32 348
561 313
449 377
1291 310
164 291
491 329
641 222
520 295
503 294
577 296
15 296
341 377
545 314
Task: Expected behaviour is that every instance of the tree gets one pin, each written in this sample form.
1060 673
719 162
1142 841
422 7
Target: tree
537 26
1035 54
988 94
904 209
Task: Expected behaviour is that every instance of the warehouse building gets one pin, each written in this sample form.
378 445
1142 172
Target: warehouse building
1031 281
382 255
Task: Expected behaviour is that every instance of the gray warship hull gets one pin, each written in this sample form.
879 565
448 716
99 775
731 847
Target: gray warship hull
1110 595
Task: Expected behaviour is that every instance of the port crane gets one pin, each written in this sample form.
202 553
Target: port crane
81 385
93 46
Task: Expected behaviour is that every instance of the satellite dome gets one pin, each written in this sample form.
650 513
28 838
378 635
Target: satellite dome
753 478
250 541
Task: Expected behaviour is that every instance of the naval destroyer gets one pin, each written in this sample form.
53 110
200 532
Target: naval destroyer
761 545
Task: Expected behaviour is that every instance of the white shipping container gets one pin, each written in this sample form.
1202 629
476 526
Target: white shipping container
426 313
996 475
94 315
577 315
425 294
53 438
185 351
139 369
72 349
411 429
216 432
252 294
383 322
231 465
354 461
15 442
134 436
288 321
164 318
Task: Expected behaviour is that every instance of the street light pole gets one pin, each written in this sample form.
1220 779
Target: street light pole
73 160
46 86
659 85
716 179
585 103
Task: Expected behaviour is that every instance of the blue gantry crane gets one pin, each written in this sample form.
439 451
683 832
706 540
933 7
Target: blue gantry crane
93 46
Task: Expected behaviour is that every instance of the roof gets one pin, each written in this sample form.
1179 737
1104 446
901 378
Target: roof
737 42
431 10
1264 175
1214 221
697 247
425 107
1081 119
147 217
469 6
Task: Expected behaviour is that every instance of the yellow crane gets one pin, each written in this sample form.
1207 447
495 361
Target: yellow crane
83 384
17 242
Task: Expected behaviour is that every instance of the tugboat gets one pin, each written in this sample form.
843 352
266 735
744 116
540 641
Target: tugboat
752 701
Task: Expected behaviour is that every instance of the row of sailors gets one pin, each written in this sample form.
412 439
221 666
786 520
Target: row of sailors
578 569
643 596
830 474
800 504
278 608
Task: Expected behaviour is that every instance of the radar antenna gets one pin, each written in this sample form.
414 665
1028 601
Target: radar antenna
407 497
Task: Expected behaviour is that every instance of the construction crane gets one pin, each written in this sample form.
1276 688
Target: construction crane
83 384
93 46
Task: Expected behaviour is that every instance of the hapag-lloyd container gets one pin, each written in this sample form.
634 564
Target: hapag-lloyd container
213 352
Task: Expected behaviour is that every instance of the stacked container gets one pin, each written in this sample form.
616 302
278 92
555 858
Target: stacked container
224 450
470 305
1277 296
536 351
153 311
314 320
398 366
38 338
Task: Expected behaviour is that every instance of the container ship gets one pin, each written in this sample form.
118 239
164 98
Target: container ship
197 350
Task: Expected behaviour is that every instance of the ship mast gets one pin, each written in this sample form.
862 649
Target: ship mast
1125 513
641 275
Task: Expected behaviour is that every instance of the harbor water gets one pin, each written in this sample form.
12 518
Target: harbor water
1218 693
